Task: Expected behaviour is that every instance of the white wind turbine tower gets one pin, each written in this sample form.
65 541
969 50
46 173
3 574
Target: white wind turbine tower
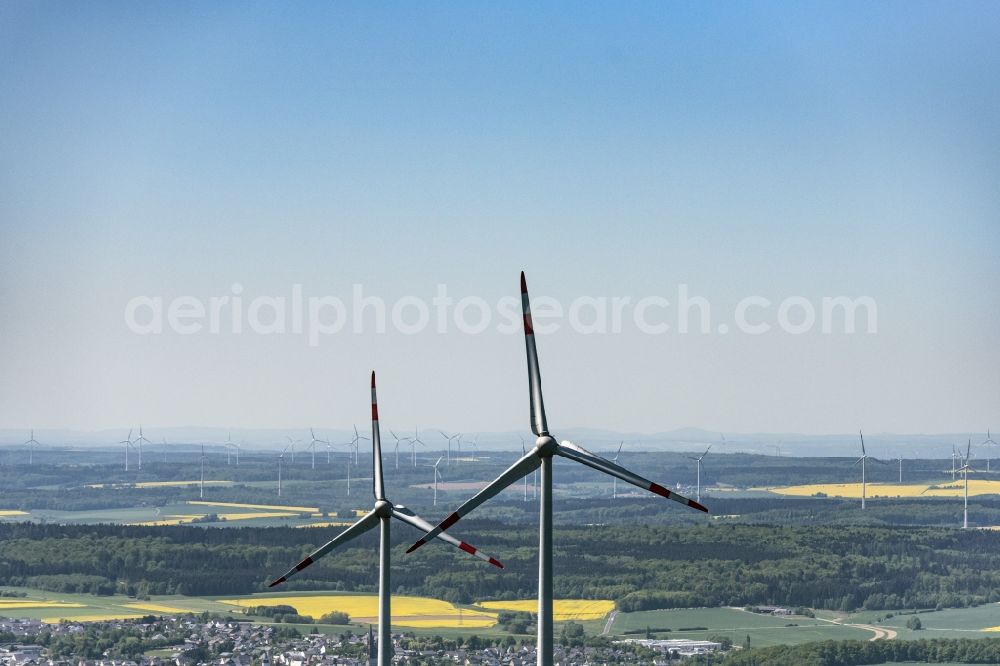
965 469
900 459
281 461
312 445
954 469
541 456
32 443
474 443
398 440
355 443
988 444
413 444
291 448
449 438
381 515
437 477
230 447
128 444
614 480
863 460
698 465
139 440
201 486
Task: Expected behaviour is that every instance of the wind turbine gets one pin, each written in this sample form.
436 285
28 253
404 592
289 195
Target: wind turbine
988 443
281 460
312 445
475 447
398 440
201 489
965 469
541 456
230 447
355 442
381 515
449 438
954 470
698 461
437 476
128 444
614 481
413 445
291 447
863 460
139 440
900 459
32 443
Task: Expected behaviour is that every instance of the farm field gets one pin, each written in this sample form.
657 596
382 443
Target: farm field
736 624
254 515
978 622
563 609
406 611
946 488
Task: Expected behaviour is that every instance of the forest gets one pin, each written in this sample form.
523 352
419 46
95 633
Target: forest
640 567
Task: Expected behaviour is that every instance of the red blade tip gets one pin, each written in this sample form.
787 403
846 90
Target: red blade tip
696 505
418 544
277 581
373 379
524 284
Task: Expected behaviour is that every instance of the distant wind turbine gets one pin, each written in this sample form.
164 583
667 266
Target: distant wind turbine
230 447
864 460
546 447
437 476
139 440
312 445
128 444
988 444
698 461
281 461
398 440
355 443
965 469
450 438
381 515
614 480
201 488
413 445
32 443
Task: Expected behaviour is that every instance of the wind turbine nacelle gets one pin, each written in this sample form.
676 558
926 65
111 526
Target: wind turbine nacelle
546 445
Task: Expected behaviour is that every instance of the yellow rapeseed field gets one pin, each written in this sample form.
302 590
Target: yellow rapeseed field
260 514
562 609
158 608
947 488
260 507
12 512
406 611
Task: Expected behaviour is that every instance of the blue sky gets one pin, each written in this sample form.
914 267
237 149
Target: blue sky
806 149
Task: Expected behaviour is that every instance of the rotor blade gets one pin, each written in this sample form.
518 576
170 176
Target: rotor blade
410 518
368 521
525 465
538 425
863 452
581 455
859 459
378 485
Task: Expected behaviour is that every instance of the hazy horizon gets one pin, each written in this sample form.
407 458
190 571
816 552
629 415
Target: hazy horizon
737 151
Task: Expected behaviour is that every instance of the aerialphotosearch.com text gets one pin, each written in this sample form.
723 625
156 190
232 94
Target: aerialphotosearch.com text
317 317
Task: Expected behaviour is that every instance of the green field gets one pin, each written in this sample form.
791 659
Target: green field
947 623
736 624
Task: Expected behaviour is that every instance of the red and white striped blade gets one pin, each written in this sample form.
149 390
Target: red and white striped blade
377 482
582 455
410 518
538 425
367 522
525 465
